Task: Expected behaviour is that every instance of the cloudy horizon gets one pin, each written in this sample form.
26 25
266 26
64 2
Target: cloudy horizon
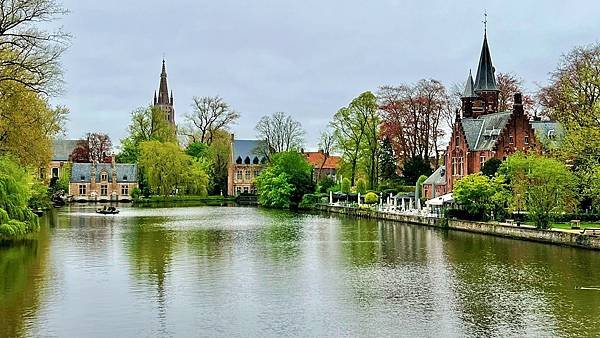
307 58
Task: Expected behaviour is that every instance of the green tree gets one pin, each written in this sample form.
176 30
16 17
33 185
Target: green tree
16 219
297 172
490 167
481 196
541 185
361 186
415 167
274 189
168 169
387 161
346 186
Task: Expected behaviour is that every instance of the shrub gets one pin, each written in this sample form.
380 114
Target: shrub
325 184
361 186
136 193
309 201
346 186
371 198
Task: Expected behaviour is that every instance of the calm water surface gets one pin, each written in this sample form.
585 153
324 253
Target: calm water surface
244 272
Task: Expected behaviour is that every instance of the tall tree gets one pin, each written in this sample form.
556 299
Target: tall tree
28 124
30 55
208 115
95 147
326 146
388 164
279 133
412 116
349 131
366 108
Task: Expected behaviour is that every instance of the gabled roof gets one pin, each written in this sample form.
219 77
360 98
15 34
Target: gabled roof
247 148
438 177
315 158
483 131
486 77
62 149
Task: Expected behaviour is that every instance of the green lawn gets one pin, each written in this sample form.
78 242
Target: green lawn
582 225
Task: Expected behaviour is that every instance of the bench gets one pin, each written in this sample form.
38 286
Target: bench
594 231
575 224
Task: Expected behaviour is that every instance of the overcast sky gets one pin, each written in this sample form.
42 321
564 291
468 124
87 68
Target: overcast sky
307 58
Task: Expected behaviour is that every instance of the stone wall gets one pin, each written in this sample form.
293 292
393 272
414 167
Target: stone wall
495 229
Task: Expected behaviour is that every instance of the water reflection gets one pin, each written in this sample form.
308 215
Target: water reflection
23 268
219 271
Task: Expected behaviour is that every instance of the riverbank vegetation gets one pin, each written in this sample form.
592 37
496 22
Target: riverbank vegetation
30 75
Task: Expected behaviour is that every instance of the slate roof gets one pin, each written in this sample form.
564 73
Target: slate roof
482 132
486 77
469 85
247 149
438 177
62 149
81 172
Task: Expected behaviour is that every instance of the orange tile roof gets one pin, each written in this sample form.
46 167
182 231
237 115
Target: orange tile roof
315 158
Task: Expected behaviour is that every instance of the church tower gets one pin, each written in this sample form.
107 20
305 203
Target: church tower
163 101
480 97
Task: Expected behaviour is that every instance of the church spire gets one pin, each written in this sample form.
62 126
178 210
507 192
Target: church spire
163 101
485 80
163 90
469 85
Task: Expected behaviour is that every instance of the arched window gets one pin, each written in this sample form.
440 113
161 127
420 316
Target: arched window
239 160
247 160
255 160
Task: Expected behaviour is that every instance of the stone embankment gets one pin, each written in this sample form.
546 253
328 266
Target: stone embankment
496 229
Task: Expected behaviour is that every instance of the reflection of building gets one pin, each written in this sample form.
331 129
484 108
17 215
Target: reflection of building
103 181
483 132
322 166
61 155
244 165
163 101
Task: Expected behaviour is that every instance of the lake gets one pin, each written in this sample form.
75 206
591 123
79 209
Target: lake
248 272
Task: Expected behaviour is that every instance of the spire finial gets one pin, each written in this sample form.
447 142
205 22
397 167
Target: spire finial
485 22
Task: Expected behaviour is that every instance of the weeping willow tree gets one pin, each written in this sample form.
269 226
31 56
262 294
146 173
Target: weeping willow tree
16 219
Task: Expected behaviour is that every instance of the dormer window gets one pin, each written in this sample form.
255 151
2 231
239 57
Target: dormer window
103 176
255 160
239 160
247 160
82 178
124 177
551 134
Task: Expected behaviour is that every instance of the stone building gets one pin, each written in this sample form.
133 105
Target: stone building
61 156
483 132
102 182
163 101
245 164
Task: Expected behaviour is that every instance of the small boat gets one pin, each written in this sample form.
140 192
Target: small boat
108 211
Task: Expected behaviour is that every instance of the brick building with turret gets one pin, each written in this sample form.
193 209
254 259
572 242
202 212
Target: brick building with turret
482 132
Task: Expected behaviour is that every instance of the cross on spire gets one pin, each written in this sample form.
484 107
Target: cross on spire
485 22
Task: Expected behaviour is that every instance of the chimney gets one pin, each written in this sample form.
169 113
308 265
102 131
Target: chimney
518 104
